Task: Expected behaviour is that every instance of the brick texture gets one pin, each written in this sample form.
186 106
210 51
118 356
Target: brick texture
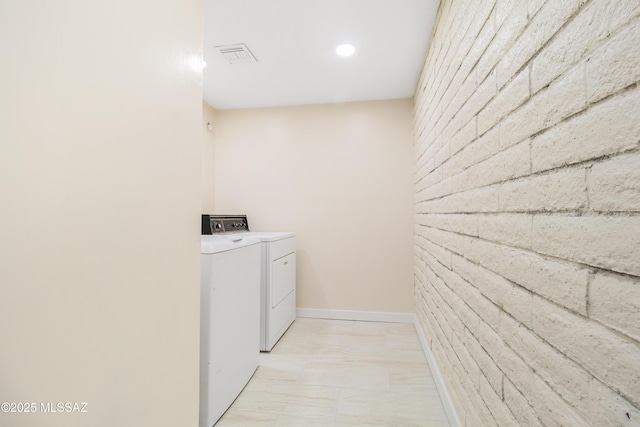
527 204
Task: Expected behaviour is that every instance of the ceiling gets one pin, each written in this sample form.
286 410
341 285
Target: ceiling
294 42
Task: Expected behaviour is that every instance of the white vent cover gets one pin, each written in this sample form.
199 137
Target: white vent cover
237 53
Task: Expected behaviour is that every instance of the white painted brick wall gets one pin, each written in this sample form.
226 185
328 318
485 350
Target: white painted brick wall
519 407
583 33
541 27
506 101
501 414
507 32
615 301
491 374
508 229
564 97
561 190
610 242
607 128
621 53
606 355
614 184
561 282
527 260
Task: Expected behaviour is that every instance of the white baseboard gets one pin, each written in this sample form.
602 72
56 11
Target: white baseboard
437 376
367 316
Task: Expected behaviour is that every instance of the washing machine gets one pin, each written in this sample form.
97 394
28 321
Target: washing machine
230 280
278 273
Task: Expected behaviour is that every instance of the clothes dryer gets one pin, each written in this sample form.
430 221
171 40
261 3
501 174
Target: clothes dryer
278 273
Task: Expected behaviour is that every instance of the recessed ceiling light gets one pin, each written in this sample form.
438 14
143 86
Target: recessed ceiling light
345 50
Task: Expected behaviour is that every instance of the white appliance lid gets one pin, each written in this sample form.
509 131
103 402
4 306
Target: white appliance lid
270 236
212 244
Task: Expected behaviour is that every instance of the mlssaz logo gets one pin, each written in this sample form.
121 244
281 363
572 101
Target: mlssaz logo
63 407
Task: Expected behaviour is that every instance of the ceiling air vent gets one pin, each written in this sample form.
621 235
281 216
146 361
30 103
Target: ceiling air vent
237 54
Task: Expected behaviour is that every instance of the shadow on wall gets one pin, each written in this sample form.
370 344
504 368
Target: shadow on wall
309 287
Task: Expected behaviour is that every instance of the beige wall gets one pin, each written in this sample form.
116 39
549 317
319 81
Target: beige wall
528 192
100 190
208 157
340 177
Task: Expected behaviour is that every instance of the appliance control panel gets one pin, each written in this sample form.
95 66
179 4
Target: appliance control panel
217 224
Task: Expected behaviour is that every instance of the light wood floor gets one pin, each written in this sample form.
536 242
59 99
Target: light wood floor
335 373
